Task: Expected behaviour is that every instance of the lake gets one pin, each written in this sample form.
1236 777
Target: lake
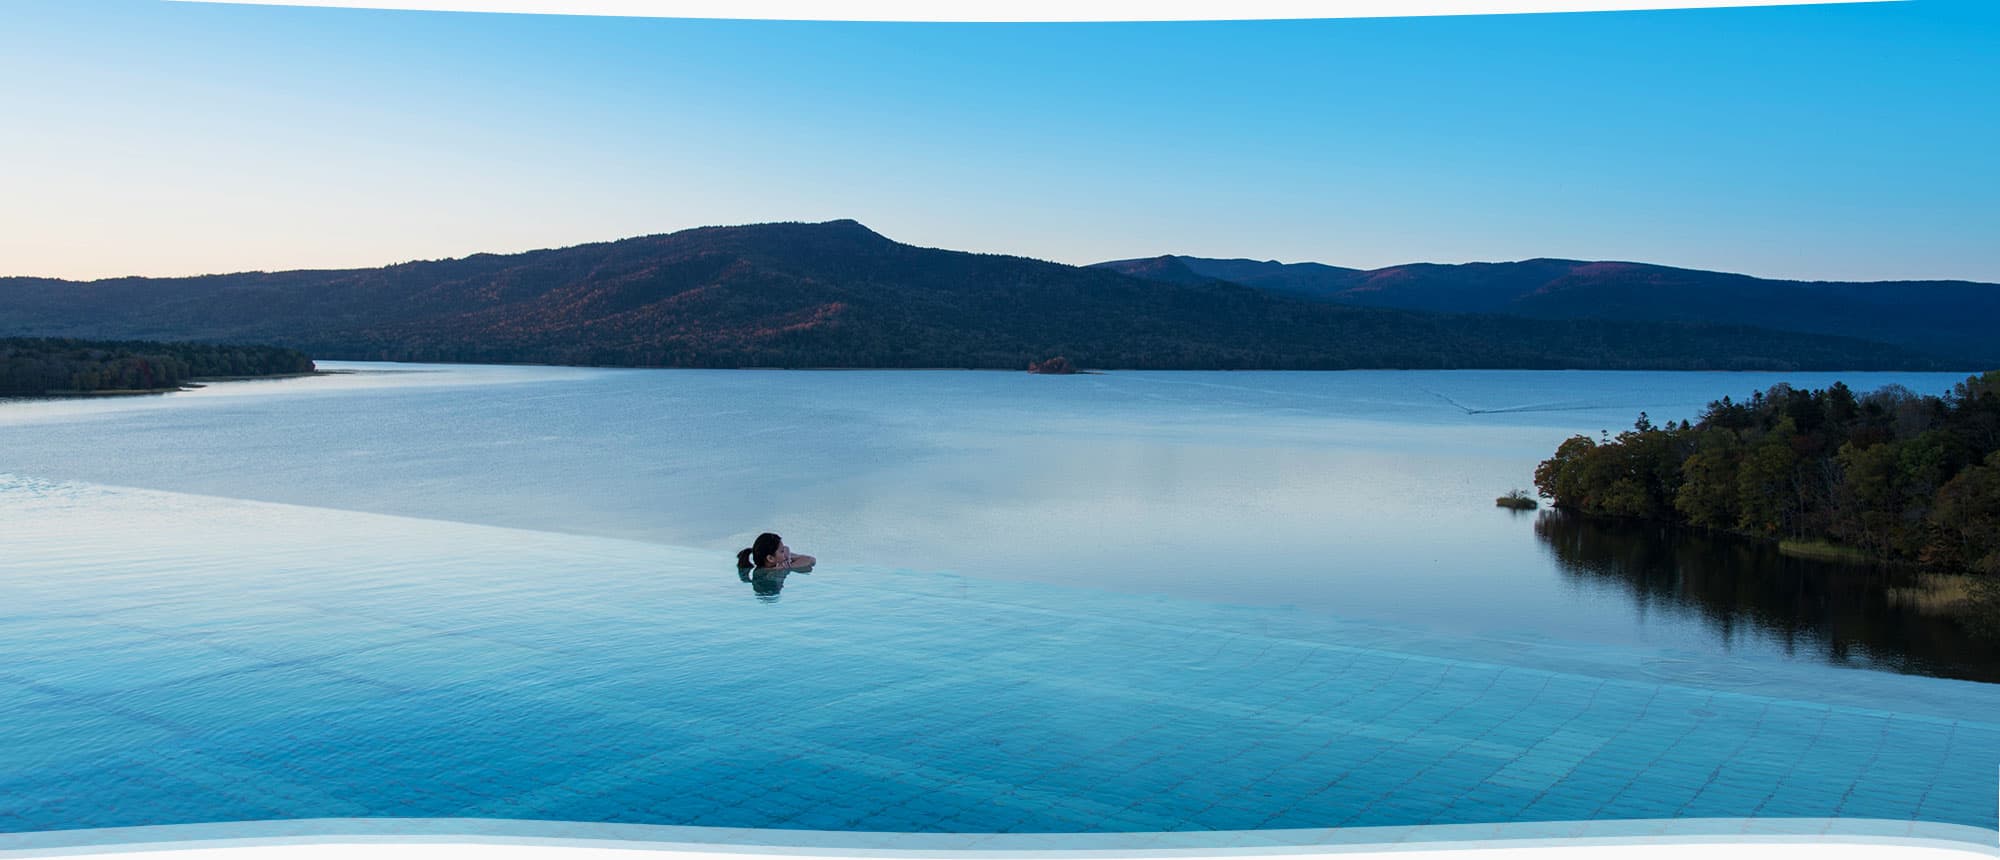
1364 494
1133 601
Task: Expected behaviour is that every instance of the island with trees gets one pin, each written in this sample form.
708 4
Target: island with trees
1885 476
34 367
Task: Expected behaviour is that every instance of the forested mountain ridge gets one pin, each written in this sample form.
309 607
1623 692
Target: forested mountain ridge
837 294
1950 319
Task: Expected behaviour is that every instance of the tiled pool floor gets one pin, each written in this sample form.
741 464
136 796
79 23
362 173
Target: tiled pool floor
176 659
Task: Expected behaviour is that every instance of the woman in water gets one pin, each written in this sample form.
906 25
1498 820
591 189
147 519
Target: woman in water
770 553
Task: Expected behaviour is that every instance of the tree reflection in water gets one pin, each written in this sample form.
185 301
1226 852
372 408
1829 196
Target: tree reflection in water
1892 618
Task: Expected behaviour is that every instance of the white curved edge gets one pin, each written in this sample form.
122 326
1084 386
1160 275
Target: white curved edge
430 838
1000 11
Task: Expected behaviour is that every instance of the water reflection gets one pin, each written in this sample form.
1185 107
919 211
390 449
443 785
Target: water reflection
1854 614
766 583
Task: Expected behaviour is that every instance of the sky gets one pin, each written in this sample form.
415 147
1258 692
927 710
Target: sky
1852 142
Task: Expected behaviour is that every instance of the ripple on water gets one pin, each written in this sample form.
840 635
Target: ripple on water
1706 672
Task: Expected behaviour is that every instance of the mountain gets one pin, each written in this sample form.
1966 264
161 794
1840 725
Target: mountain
837 294
1950 319
1314 280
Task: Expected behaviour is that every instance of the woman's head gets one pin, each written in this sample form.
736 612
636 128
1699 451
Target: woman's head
758 553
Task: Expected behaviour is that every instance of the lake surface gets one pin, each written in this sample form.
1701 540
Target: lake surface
1367 495
1129 602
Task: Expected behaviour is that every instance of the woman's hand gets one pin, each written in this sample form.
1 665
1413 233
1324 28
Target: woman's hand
783 559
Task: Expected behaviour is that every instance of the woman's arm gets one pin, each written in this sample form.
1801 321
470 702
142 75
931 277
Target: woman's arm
799 562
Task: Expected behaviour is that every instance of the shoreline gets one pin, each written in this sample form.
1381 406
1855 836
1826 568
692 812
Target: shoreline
1825 550
190 385
1106 370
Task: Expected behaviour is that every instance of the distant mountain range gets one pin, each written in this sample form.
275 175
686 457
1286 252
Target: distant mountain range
1953 320
837 294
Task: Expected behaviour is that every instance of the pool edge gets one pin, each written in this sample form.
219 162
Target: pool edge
561 834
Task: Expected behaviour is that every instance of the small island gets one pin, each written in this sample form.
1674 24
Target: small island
67 367
1059 366
1518 500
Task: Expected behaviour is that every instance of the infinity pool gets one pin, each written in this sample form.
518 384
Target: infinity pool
176 659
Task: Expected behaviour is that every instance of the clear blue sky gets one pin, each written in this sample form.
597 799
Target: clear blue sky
1845 141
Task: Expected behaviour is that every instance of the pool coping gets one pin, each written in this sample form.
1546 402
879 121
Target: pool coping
755 841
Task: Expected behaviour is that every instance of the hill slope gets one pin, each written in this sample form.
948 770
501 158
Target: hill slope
1950 319
837 294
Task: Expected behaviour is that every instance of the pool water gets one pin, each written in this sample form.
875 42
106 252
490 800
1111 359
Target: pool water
174 658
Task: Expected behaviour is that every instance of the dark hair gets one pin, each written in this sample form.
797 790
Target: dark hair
757 553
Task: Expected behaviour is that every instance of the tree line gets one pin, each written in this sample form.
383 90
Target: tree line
40 366
1890 474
